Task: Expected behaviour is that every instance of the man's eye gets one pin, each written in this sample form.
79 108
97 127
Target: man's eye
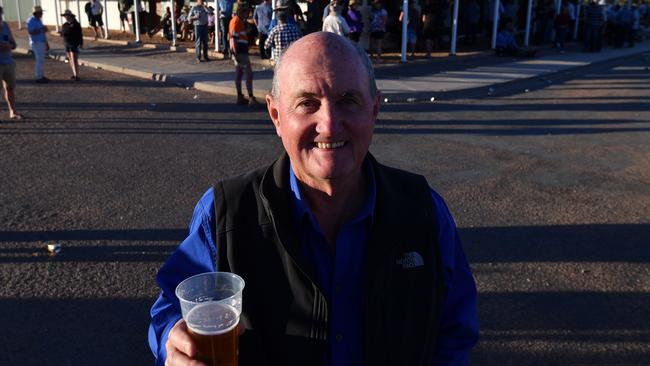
308 104
349 100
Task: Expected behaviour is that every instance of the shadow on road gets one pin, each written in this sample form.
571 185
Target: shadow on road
516 327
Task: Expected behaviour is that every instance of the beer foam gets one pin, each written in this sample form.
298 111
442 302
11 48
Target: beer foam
212 318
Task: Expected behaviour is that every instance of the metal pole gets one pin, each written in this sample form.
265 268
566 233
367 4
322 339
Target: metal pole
495 23
20 21
217 27
454 29
558 6
575 28
57 15
173 23
136 26
529 12
405 19
105 19
79 11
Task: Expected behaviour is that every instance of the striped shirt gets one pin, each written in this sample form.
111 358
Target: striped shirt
281 37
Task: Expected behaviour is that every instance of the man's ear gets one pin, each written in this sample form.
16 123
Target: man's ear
274 113
376 105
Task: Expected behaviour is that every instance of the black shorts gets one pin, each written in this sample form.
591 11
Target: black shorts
122 16
377 35
96 20
73 49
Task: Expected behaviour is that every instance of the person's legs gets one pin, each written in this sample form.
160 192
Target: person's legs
39 55
74 63
239 71
223 24
631 34
263 52
379 41
204 40
249 80
9 83
198 42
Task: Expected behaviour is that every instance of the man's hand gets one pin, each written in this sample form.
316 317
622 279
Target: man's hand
181 349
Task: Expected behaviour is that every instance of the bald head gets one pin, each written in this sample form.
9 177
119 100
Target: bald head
328 50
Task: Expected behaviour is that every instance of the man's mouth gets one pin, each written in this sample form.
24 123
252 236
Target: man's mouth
330 145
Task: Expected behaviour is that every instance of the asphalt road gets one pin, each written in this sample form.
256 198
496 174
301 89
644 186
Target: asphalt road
549 181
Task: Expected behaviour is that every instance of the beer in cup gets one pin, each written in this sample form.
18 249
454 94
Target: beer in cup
211 305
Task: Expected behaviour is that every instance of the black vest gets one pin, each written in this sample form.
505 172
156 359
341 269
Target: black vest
284 311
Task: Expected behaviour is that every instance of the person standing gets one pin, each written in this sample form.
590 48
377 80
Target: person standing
96 22
412 26
238 43
335 23
354 19
282 35
73 40
473 16
429 27
225 15
347 261
314 16
378 20
8 67
199 18
262 18
594 21
122 8
562 24
38 40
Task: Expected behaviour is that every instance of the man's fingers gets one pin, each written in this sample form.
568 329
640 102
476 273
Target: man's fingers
176 358
180 339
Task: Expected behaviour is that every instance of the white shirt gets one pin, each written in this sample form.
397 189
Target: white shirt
336 24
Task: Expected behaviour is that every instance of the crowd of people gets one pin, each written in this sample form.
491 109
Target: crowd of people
274 29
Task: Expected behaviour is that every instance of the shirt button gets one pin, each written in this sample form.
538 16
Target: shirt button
339 337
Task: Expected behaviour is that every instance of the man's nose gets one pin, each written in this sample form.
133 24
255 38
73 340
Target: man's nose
329 121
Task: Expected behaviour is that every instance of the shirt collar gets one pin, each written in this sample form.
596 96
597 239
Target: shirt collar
301 208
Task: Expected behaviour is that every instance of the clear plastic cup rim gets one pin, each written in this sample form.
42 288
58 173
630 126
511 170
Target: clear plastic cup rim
243 284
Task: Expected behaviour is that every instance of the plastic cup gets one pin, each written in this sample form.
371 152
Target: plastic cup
211 305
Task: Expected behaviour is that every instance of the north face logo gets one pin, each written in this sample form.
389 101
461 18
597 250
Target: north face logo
410 260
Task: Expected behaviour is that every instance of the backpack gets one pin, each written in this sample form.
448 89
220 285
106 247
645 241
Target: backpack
87 8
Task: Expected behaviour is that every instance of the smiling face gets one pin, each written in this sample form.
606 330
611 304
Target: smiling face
325 113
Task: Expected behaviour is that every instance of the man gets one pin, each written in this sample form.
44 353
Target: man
335 23
346 261
282 35
38 41
314 16
594 24
225 15
199 17
72 40
262 18
96 22
378 21
238 43
8 67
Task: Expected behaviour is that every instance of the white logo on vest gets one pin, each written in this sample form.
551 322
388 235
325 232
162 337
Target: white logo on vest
410 260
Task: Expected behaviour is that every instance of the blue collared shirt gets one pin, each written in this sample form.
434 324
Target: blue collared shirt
33 23
262 16
225 7
339 276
